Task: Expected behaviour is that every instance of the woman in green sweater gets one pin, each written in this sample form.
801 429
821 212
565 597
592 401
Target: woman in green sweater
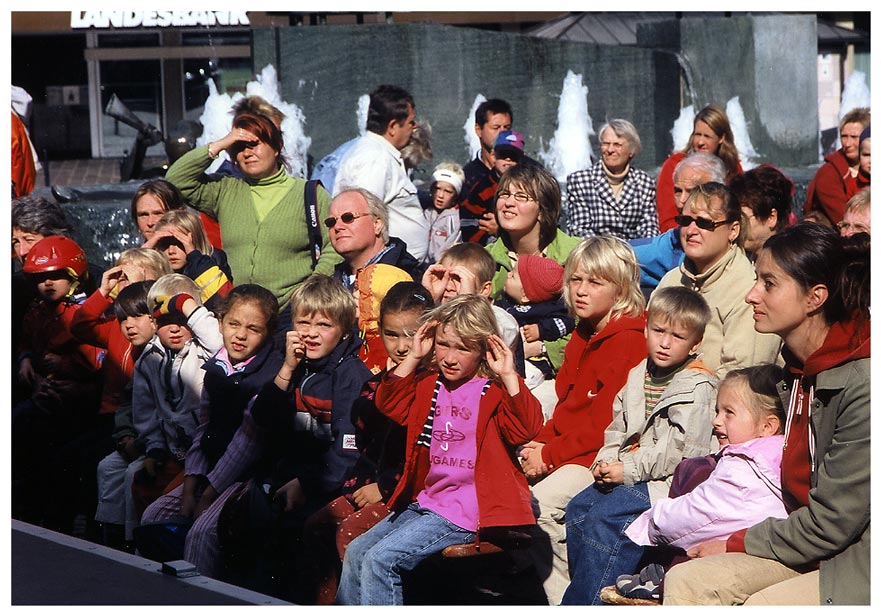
262 216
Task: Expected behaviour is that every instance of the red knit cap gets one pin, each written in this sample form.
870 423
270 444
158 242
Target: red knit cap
542 278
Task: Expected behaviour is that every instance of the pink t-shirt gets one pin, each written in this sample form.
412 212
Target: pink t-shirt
449 485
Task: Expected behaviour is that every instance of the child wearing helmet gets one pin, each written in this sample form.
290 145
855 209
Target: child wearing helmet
61 373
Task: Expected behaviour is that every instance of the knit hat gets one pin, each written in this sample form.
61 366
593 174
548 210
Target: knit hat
446 175
866 134
542 278
509 144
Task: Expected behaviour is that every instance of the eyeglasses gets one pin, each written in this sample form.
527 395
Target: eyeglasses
702 223
347 218
857 227
522 197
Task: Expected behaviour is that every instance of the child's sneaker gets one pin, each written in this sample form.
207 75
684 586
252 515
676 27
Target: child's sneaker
644 585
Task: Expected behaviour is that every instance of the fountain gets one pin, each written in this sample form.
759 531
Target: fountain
471 138
569 150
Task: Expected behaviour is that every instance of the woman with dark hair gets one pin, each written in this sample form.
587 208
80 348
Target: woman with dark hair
528 204
262 215
812 289
150 202
711 134
765 197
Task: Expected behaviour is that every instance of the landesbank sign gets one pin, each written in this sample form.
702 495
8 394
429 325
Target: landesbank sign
156 19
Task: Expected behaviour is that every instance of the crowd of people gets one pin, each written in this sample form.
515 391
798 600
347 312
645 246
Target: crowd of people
312 387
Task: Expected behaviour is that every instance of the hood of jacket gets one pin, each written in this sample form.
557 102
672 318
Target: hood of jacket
845 342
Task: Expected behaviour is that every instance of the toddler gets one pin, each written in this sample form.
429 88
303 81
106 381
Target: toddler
443 215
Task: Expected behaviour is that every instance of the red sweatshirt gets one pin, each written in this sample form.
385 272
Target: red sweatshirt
831 187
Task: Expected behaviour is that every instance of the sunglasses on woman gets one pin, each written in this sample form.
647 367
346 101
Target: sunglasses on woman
702 223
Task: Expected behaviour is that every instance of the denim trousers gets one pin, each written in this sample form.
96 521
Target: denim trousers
598 549
374 561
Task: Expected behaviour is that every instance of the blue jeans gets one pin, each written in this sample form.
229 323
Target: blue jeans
375 561
599 551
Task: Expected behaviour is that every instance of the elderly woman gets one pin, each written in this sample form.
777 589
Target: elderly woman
716 267
262 215
613 198
528 206
765 197
812 289
711 133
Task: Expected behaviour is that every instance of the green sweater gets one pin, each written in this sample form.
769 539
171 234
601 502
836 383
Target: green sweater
275 252
558 250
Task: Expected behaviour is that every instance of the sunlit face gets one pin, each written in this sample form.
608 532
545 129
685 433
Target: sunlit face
704 247
53 286
23 241
320 335
855 221
138 329
404 130
514 286
443 195
734 422
148 210
615 151
174 252
257 160
779 303
495 123
850 141
457 361
669 342
397 330
866 156
172 332
685 182
758 231
704 138
244 328
516 215
359 237
592 297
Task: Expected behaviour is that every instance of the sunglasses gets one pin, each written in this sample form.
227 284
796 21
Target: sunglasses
346 217
702 223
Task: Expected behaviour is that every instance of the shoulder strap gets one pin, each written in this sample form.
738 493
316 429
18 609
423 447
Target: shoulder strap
310 200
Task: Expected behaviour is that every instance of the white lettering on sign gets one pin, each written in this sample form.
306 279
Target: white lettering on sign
156 19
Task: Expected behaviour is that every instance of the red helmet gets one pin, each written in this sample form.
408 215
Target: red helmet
54 253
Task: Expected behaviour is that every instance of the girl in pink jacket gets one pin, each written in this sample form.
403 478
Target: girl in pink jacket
743 489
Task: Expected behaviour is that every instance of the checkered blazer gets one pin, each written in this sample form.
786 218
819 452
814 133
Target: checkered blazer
593 210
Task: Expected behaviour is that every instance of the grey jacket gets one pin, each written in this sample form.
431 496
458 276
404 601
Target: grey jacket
680 426
838 511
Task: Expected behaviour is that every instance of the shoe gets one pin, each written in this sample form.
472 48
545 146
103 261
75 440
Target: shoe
644 585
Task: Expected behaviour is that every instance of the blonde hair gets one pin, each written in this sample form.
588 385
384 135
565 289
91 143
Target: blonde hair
859 115
187 221
149 259
473 257
861 202
715 117
471 318
173 284
325 295
758 384
612 259
680 305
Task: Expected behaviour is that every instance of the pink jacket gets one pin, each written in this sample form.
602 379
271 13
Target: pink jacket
743 489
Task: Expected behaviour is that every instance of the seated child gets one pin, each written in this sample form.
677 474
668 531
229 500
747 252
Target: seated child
662 415
443 215
371 285
62 377
226 445
134 328
180 236
306 413
478 207
533 295
167 383
381 444
743 488
451 486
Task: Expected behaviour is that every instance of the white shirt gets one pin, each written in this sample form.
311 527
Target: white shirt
376 165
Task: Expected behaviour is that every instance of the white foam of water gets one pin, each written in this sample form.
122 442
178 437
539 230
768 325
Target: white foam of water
216 118
471 138
683 126
739 129
570 149
363 105
856 93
